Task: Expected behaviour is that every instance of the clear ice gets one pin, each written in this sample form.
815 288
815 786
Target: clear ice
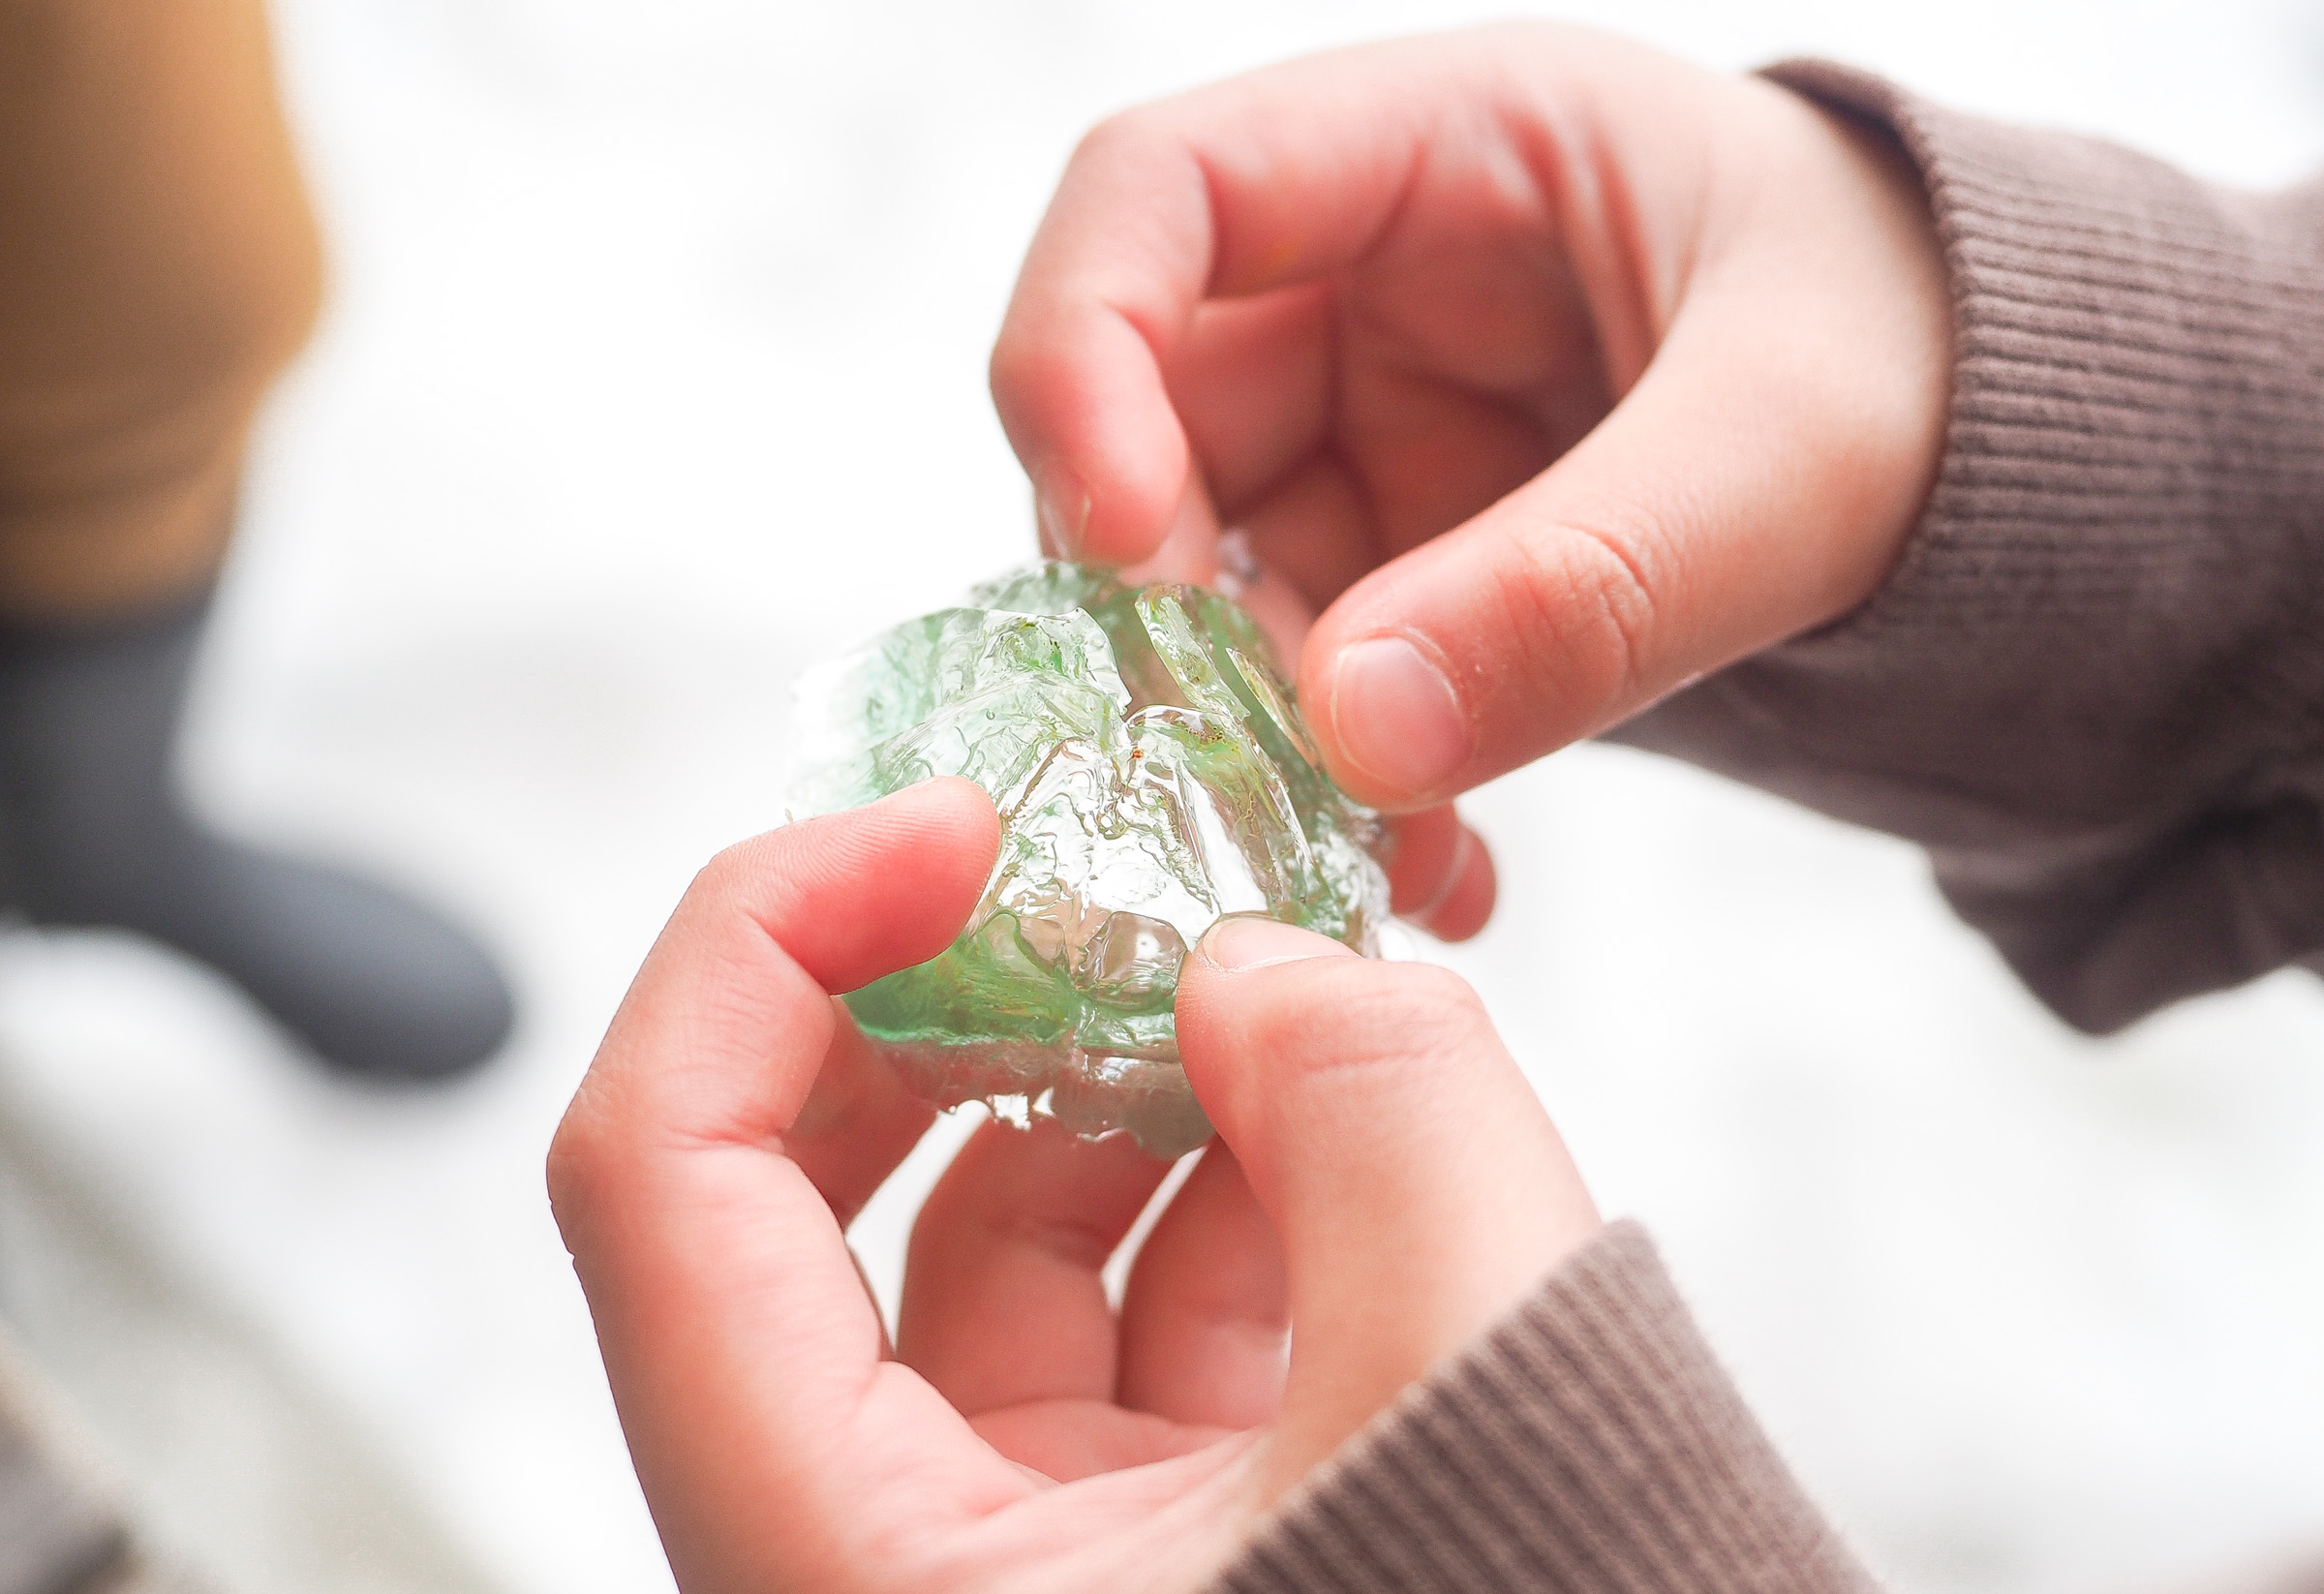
1152 774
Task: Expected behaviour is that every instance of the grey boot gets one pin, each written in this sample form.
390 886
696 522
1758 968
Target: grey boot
92 833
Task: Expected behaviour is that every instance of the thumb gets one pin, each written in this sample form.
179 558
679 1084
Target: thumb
1418 1185
1758 480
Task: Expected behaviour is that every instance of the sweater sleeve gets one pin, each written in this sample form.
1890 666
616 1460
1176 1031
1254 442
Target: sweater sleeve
2093 688
1589 1441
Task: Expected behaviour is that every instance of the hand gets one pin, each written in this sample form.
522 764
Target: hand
1384 1180
1561 371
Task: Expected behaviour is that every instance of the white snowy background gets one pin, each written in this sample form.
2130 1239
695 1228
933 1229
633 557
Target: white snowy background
655 370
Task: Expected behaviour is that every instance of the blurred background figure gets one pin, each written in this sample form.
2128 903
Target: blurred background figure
159 265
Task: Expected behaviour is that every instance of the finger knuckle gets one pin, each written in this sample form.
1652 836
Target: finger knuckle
1015 366
1421 1008
1130 134
1587 595
1366 1015
733 873
575 1162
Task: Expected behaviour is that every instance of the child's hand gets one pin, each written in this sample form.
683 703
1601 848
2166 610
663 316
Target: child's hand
1392 1187
1561 371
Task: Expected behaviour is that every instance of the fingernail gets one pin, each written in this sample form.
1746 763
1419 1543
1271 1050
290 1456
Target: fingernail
1397 718
1250 942
1062 507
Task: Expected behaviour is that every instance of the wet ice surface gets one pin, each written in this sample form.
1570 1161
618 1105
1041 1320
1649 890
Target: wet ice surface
657 372
1151 773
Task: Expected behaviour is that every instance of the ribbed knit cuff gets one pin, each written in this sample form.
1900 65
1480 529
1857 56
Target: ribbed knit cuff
1590 1441
2093 688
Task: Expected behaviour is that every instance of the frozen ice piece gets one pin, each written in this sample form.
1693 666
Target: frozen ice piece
1152 774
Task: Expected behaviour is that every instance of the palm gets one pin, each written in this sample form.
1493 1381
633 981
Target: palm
1005 1310
1075 1467
1022 1429
1343 423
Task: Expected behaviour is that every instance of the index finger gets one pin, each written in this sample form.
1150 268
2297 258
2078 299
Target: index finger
1278 177
742 1351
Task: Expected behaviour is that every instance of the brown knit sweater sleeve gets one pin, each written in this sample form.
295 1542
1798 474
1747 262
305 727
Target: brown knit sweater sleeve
1590 1441
2094 689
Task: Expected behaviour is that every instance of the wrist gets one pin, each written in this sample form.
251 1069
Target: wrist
1870 206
